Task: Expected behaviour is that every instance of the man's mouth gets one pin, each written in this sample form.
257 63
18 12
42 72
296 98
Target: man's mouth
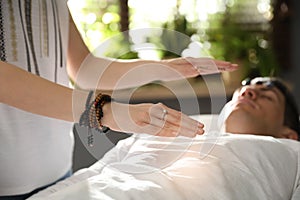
246 101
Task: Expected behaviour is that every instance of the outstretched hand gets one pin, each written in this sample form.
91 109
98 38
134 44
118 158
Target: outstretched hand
153 119
191 67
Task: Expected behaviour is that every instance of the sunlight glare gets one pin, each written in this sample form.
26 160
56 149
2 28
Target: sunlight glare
90 18
151 10
263 6
107 18
205 7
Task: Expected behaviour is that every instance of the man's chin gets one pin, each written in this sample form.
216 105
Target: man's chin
239 117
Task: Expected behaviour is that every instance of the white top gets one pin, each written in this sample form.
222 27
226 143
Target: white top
211 167
34 150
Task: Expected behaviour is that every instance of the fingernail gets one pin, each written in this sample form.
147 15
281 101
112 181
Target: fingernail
200 131
200 125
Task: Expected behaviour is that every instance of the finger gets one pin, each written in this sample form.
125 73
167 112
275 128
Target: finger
176 121
230 67
209 65
169 127
234 67
165 132
204 70
157 127
159 111
183 121
174 116
212 62
169 130
184 125
205 61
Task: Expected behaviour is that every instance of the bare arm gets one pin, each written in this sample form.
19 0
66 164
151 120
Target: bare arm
93 72
34 94
86 69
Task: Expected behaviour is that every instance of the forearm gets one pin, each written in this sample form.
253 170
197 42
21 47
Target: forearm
109 74
90 72
34 94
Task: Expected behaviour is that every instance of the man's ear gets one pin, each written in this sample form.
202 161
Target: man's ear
288 133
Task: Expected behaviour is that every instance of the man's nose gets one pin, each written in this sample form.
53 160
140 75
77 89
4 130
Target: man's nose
248 92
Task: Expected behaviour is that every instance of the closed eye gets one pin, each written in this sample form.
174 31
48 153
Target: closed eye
268 97
268 94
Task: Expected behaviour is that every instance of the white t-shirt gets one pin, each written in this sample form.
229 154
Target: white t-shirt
34 150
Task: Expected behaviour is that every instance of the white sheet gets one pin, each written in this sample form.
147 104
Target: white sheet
224 167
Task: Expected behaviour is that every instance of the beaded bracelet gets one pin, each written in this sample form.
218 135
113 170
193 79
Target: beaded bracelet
92 115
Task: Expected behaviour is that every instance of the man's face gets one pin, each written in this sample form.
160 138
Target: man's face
256 109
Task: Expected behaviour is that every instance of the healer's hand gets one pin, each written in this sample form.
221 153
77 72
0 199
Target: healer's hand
153 119
192 67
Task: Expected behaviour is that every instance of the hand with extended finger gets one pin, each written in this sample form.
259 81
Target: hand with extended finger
154 119
192 67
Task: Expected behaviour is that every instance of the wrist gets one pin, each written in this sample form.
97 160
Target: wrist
93 114
107 114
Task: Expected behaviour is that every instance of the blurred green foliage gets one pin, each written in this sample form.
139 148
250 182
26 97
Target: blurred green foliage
171 43
247 44
228 40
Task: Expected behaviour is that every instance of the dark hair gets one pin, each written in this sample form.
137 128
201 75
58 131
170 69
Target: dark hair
291 113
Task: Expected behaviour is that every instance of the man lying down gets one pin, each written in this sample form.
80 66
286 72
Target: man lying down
256 156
